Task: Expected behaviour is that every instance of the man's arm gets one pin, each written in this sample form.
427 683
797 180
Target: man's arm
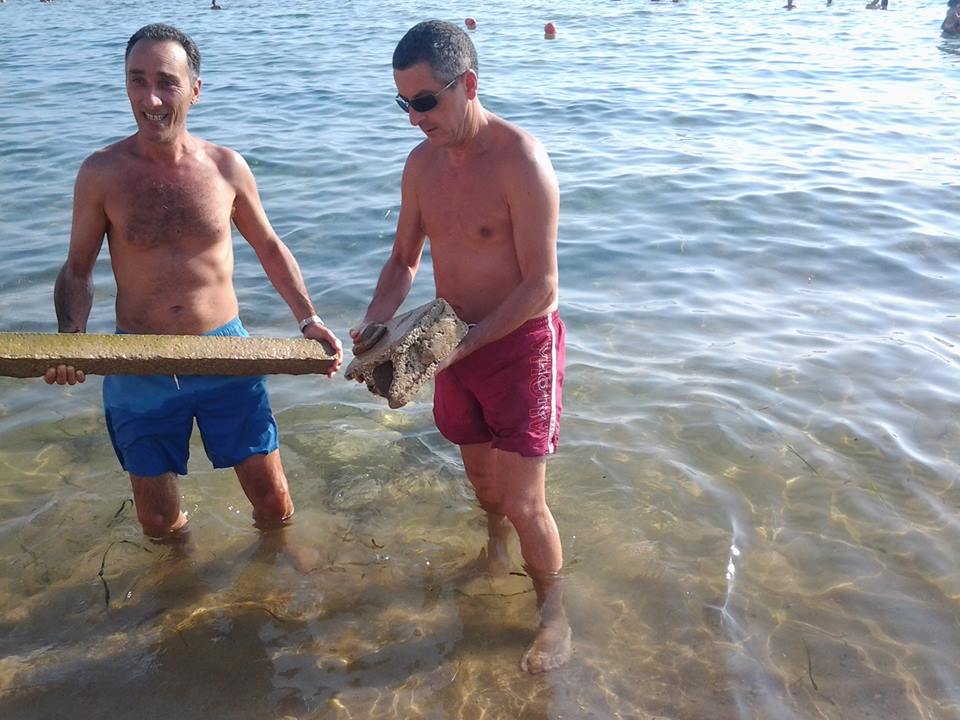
73 290
396 277
278 262
534 200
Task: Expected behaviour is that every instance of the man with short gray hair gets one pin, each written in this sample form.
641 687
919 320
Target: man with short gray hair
484 192
165 200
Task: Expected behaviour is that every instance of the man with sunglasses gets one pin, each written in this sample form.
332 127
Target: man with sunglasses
485 193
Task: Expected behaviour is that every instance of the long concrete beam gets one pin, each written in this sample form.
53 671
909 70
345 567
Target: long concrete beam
25 355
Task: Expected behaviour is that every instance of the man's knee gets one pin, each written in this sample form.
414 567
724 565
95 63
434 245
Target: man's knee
157 500
160 522
483 478
523 511
265 485
489 503
272 505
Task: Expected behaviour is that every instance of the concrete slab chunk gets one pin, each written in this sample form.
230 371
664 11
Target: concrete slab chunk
407 355
26 355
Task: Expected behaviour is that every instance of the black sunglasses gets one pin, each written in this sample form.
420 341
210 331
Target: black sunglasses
423 103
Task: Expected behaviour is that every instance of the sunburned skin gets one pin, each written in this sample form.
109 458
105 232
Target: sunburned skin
470 228
477 159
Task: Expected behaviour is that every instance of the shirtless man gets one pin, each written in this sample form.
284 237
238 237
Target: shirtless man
165 200
485 194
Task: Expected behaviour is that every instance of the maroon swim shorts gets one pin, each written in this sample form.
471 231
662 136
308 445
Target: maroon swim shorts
507 393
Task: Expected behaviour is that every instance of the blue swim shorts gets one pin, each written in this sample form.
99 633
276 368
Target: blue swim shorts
150 417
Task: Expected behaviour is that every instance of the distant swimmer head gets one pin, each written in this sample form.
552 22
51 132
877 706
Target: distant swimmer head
549 31
951 23
470 23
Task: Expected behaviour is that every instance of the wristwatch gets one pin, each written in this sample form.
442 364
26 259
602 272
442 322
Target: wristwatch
312 320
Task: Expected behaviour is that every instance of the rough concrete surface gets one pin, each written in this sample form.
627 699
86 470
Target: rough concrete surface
407 355
30 354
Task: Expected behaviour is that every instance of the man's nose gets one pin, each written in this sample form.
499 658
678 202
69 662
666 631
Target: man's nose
415 117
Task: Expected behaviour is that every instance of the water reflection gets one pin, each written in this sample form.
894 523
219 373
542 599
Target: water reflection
949 45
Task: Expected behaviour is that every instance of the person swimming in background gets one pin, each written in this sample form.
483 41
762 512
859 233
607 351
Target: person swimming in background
877 4
951 23
215 6
789 5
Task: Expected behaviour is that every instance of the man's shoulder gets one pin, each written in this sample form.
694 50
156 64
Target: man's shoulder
515 146
521 159
511 139
420 153
111 156
218 153
417 163
101 167
228 161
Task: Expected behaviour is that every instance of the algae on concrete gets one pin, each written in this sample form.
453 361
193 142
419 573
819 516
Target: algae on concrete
26 355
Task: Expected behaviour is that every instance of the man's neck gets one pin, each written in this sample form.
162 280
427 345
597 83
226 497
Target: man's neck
475 140
169 153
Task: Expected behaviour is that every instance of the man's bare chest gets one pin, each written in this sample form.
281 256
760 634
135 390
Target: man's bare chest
465 210
151 211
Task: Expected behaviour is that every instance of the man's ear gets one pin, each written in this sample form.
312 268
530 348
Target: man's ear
470 82
196 92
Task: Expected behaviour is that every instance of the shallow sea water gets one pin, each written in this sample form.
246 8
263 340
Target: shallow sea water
757 478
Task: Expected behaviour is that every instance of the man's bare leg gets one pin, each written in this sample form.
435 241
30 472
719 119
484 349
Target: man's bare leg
516 487
480 463
522 484
264 483
552 645
157 500
168 581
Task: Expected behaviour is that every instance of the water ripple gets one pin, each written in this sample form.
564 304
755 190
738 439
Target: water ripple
758 266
